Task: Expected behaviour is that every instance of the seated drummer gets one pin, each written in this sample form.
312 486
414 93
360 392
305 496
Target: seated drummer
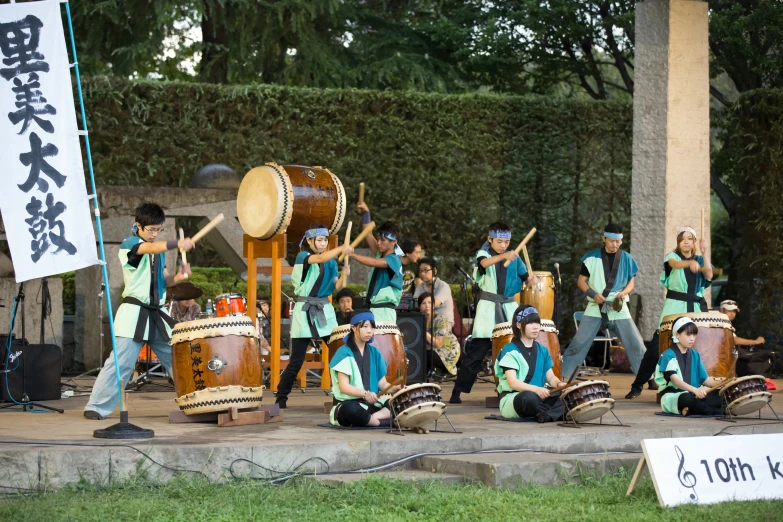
358 372
523 367
682 377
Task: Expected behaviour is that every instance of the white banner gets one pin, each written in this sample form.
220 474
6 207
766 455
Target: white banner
707 470
43 198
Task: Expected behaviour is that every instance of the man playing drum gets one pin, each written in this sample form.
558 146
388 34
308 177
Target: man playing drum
498 285
315 278
606 278
140 319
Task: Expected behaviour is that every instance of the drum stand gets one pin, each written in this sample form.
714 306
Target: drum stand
398 431
144 378
571 423
728 417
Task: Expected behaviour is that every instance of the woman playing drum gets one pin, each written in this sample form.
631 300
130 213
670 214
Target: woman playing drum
358 372
523 367
314 278
682 376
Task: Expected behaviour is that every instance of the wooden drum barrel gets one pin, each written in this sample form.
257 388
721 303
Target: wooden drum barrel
388 340
547 336
542 295
217 364
275 199
715 342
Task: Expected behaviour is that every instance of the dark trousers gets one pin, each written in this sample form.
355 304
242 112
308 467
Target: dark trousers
528 404
647 368
709 405
470 364
352 414
296 359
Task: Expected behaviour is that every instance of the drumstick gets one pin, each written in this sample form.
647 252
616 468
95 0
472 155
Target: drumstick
182 250
558 389
527 260
348 237
359 238
523 243
361 193
389 387
204 231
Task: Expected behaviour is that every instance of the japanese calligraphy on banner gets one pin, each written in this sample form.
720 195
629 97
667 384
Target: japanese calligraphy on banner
43 199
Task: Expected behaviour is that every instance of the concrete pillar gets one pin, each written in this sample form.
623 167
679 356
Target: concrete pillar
671 142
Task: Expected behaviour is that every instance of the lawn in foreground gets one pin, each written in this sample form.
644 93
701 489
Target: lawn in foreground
601 499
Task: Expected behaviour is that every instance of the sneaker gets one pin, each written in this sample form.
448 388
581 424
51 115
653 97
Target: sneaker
455 398
634 393
93 415
281 403
652 385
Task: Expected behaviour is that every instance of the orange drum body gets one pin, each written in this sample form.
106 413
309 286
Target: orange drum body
502 335
276 199
541 295
217 365
715 342
388 340
145 352
230 304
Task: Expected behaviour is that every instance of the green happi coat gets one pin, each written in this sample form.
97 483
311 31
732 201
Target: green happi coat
384 287
343 361
510 357
312 280
669 362
496 279
682 280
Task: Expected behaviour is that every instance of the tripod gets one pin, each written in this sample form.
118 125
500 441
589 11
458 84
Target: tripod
26 403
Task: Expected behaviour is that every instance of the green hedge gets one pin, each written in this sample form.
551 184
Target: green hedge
752 162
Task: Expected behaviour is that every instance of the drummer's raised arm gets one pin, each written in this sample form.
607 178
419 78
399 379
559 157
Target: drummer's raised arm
364 211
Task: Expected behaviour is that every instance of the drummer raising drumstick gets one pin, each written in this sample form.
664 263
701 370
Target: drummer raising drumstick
685 276
141 318
314 278
606 277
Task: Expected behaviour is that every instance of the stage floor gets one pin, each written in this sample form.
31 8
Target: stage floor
37 443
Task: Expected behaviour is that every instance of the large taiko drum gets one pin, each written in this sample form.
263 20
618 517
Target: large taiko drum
547 336
276 199
540 295
715 342
417 405
587 400
388 340
746 395
217 365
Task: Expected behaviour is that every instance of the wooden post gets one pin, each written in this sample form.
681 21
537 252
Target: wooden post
276 298
252 286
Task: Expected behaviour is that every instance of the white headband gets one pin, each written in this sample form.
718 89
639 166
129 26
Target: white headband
678 324
687 229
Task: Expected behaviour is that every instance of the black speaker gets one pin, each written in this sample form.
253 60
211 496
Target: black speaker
411 325
37 368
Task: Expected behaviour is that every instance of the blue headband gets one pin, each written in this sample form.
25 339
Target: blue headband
530 310
388 235
359 319
612 235
500 234
313 233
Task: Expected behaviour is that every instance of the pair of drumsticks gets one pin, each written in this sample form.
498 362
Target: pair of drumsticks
201 233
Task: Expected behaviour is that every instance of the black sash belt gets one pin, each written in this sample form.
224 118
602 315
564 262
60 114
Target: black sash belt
499 300
146 313
314 310
381 305
688 298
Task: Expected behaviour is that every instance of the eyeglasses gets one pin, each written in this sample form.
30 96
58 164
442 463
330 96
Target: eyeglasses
424 270
154 230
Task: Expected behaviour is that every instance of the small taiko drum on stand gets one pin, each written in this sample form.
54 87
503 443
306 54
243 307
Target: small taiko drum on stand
217 365
417 405
276 199
540 295
502 334
715 342
230 304
587 400
745 395
388 340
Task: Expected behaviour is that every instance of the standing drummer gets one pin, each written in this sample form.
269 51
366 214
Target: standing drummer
140 319
384 286
314 278
685 276
499 284
606 278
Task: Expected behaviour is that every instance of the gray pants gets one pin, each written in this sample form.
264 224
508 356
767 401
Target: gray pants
583 340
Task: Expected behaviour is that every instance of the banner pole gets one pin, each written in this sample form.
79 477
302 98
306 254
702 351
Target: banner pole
104 266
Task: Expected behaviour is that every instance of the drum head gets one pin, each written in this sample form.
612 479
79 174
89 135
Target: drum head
382 328
749 403
420 415
405 389
213 327
591 410
702 320
502 329
265 201
581 385
548 326
760 378
339 332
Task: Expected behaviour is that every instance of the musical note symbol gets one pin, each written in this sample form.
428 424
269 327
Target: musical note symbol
686 478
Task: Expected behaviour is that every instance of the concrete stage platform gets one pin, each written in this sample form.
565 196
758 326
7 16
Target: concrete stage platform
48 450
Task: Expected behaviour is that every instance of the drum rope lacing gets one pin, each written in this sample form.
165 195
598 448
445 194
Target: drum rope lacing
276 168
209 326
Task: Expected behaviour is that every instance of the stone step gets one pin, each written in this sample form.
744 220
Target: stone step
520 469
407 475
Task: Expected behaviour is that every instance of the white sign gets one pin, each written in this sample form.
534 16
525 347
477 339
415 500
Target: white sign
43 198
706 470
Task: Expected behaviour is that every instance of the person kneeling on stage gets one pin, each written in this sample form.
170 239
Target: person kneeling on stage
523 367
358 372
682 376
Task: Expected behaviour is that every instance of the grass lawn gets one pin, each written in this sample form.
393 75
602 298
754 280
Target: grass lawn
601 499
